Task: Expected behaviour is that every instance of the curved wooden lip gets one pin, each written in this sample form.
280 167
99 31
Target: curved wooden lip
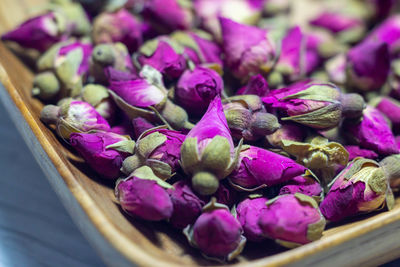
135 253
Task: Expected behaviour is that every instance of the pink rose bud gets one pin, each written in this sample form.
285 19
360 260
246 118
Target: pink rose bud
389 33
98 96
159 149
306 184
360 188
120 26
390 108
161 54
103 151
247 118
73 116
40 32
368 73
248 213
373 132
292 220
288 131
250 173
140 125
257 85
217 233
187 206
356 151
248 50
241 11
144 195
197 88
208 153
169 15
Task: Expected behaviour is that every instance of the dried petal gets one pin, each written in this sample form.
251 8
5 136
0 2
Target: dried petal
248 214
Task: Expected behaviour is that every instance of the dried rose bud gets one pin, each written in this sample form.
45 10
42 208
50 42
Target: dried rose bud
144 195
390 108
248 50
73 116
208 151
356 151
248 213
98 96
40 32
306 184
46 86
288 131
250 173
169 15
360 188
197 88
336 69
163 54
247 118
257 85
120 26
187 206
391 167
103 151
200 48
368 73
292 220
159 149
389 33
372 132
241 11
110 58
217 233
140 125
313 54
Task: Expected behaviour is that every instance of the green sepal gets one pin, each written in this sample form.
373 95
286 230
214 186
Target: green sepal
127 146
147 144
146 173
216 157
190 158
161 169
317 93
67 70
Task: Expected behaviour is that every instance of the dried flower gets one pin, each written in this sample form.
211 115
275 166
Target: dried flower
292 220
250 173
98 96
46 86
257 85
248 213
356 151
140 125
287 131
144 195
306 184
389 33
197 88
390 108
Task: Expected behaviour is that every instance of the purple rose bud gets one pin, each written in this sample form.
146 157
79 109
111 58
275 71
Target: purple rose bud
144 195
161 55
360 188
390 108
250 173
248 51
208 151
356 151
373 132
120 26
335 22
313 56
288 131
248 214
306 184
101 151
292 220
257 85
187 206
389 33
247 118
217 233
368 73
73 116
159 149
118 75
169 15
85 51
197 88
140 125
39 32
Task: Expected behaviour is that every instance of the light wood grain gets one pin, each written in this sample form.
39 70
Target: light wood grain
120 239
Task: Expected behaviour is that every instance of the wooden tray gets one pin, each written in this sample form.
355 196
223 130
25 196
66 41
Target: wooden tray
121 241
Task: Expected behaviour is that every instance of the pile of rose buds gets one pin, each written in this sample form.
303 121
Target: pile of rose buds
223 118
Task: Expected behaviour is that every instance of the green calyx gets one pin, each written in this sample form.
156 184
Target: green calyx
263 123
50 114
94 94
126 146
46 86
175 116
146 173
104 54
205 183
352 105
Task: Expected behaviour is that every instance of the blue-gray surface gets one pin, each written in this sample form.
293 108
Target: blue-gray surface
35 229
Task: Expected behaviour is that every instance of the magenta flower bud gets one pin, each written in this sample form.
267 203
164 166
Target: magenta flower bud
250 173
140 125
390 108
169 15
84 56
368 73
113 74
292 220
39 32
248 51
187 206
356 151
120 26
217 233
197 88
143 195
373 132
305 184
161 55
313 55
389 33
257 85
248 213
103 151
288 131
360 188
336 69
73 116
